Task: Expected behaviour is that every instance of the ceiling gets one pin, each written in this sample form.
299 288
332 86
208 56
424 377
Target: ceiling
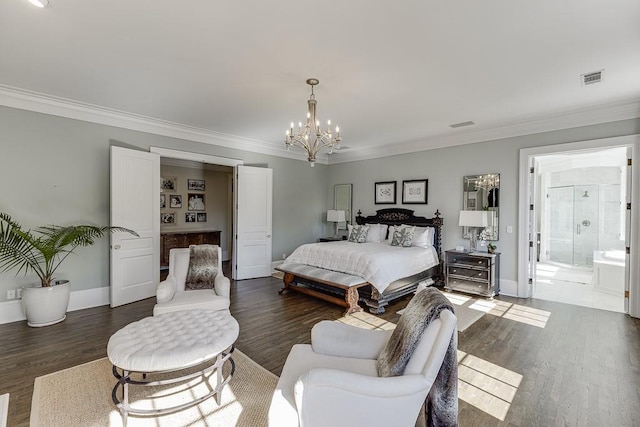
393 75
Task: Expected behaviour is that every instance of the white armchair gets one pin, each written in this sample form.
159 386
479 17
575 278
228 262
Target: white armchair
172 296
334 381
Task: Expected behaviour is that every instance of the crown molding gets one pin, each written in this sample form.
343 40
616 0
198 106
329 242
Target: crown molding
41 103
46 104
603 114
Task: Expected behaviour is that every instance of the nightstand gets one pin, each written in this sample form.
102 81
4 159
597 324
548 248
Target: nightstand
472 272
331 239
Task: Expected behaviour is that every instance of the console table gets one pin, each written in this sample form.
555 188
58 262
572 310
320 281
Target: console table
183 239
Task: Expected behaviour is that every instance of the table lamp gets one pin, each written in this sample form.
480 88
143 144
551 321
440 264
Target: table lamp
474 220
335 216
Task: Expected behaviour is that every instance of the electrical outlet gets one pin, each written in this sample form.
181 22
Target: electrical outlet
19 293
11 294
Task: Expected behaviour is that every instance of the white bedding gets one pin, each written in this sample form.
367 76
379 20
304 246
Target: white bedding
377 263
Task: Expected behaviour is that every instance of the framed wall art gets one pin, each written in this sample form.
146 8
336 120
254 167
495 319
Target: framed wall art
196 202
175 201
195 184
202 217
190 217
167 218
415 191
385 193
168 183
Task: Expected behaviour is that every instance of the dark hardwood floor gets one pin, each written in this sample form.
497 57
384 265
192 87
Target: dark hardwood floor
581 369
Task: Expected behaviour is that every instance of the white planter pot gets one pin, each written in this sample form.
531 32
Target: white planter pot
46 306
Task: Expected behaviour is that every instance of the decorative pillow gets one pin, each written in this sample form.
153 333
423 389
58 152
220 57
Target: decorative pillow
423 237
377 233
359 234
403 236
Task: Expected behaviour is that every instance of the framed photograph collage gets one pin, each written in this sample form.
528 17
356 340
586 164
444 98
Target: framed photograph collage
194 201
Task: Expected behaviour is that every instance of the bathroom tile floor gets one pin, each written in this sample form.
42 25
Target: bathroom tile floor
572 286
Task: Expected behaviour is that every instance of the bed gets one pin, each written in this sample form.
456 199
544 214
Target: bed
348 273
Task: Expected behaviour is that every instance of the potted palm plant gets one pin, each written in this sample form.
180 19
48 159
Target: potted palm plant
41 251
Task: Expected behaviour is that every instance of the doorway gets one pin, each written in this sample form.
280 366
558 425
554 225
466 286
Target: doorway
199 205
252 189
580 212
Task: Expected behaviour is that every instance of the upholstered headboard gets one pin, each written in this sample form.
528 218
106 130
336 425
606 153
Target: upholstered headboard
398 216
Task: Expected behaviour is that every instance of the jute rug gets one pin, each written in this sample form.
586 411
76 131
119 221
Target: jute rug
81 396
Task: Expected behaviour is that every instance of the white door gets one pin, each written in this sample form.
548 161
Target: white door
252 248
627 233
135 204
533 232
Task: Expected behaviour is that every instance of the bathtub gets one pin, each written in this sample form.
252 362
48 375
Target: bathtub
608 272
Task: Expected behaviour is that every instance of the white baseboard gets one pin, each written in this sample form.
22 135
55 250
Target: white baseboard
89 298
11 311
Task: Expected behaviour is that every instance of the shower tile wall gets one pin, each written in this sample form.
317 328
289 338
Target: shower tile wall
584 213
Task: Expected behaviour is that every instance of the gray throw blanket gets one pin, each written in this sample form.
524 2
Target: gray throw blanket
203 267
441 406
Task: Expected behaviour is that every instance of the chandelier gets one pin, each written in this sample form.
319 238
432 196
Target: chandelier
488 182
311 137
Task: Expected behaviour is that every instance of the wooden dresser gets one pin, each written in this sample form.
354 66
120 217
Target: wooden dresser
183 240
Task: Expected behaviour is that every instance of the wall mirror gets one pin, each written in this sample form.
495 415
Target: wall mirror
342 201
482 193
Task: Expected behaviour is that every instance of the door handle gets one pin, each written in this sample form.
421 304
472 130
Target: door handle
268 236
116 247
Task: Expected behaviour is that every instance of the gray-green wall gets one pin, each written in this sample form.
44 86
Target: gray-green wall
445 169
55 170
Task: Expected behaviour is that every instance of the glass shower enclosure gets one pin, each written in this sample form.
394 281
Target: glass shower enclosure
583 219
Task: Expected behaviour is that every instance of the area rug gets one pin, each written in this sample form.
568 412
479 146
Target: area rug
81 396
468 309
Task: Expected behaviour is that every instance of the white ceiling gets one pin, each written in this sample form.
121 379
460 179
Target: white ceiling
393 75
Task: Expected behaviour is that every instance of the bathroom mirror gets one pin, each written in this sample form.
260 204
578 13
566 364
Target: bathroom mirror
342 201
482 193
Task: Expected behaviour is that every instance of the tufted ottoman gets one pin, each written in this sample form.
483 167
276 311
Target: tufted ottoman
172 342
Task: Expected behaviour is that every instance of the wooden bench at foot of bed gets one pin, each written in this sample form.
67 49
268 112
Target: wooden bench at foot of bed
295 276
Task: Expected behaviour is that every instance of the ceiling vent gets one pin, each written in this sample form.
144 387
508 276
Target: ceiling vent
461 124
591 78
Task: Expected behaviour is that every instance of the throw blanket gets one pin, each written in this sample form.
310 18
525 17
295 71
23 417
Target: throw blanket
377 263
203 267
441 406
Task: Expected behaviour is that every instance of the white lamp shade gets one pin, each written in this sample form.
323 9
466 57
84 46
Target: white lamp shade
335 216
473 219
